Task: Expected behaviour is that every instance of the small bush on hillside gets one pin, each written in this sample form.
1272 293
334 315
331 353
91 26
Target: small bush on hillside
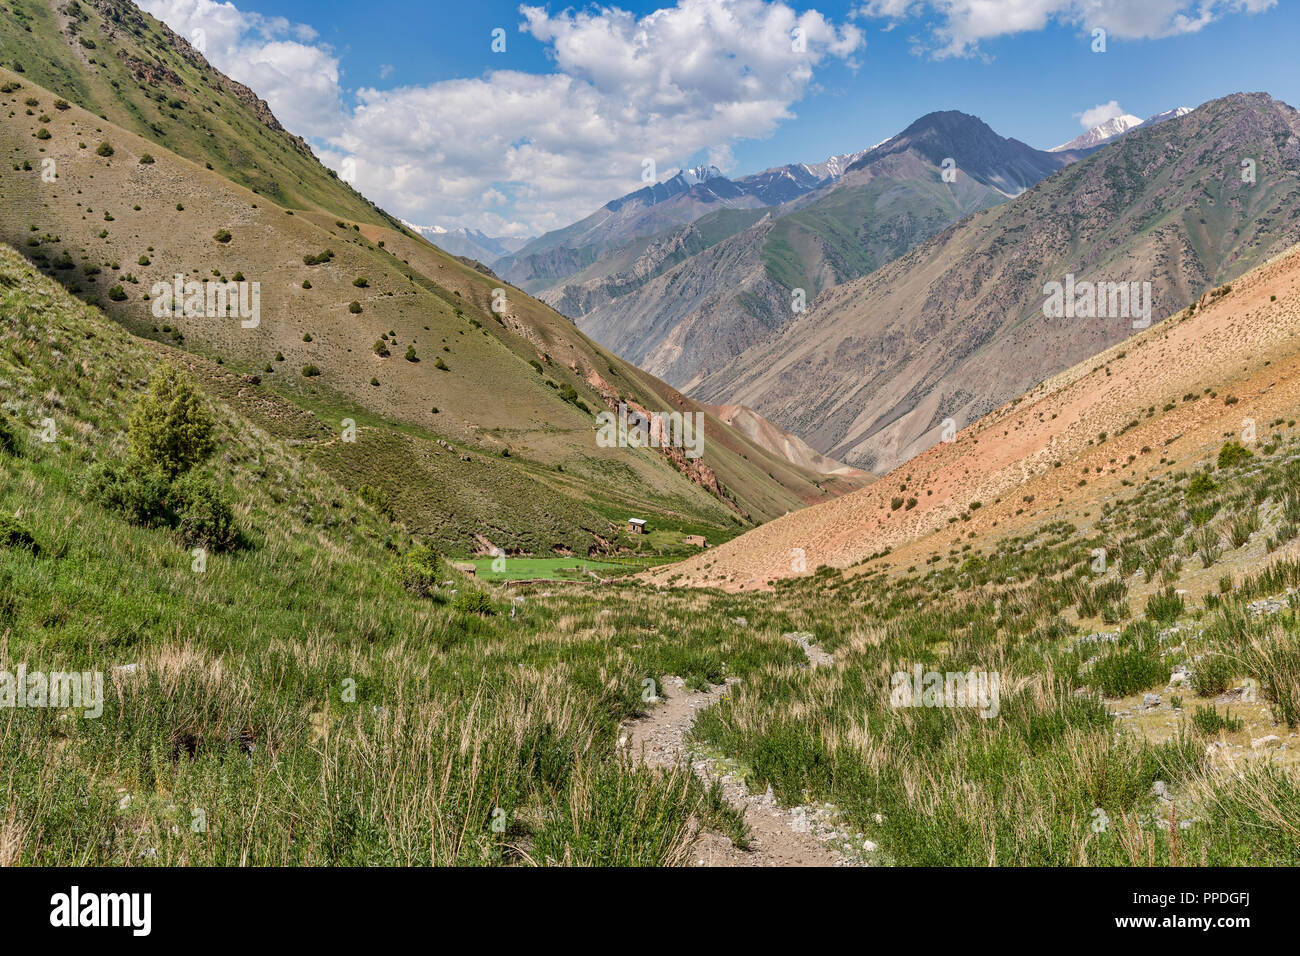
203 514
140 495
473 602
117 294
381 349
1165 606
1209 721
14 534
410 354
222 235
1212 675
354 307
310 371
170 428
1233 454
361 282
1127 671
42 133
1200 486
419 570
105 149
377 499
146 159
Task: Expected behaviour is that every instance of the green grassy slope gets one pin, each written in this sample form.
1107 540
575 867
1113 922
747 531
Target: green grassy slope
515 393
128 68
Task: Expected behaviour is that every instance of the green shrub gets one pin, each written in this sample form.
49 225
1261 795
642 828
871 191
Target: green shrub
117 294
410 354
1209 721
419 570
142 496
1165 606
1127 671
1232 454
1200 486
473 602
14 534
204 516
9 444
170 428
222 235
146 160
105 149
1211 675
377 499
310 371
354 307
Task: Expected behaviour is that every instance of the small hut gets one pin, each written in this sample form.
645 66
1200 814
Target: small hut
697 540
636 525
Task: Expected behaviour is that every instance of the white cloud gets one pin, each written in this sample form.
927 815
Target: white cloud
278 60
1099 114
960 25
514 152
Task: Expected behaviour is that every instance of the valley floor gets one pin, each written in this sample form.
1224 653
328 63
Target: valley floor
318 688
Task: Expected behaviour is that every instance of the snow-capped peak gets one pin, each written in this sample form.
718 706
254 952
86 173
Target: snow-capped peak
699 174
1102 133
1174 113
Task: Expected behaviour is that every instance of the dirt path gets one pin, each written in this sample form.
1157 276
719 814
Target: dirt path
780 837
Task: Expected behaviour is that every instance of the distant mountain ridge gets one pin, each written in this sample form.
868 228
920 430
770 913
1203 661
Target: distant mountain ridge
685 302
955 327
470 243
679 200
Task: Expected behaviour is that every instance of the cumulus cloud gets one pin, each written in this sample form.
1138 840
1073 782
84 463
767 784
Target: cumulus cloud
513 152
1099 114
958 26
277 59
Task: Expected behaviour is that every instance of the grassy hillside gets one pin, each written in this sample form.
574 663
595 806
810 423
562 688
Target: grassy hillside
323 693
133 71
459 408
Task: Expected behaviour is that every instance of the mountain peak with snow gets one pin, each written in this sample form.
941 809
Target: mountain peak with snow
1114 128
1102 133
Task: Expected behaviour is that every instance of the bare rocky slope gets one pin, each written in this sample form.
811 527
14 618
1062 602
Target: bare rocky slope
1226 368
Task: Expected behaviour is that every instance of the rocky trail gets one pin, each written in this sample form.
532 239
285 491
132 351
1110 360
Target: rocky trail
799 836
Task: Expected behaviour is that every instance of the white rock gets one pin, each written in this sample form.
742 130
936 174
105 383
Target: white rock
1261 743
869 846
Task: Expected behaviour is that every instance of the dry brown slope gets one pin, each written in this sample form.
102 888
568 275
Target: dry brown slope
1044 451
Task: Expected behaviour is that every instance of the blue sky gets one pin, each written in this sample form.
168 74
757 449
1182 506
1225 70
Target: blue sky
439 129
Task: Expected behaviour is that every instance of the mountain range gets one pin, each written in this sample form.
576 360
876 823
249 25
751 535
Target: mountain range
470 243
685 302
957 326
